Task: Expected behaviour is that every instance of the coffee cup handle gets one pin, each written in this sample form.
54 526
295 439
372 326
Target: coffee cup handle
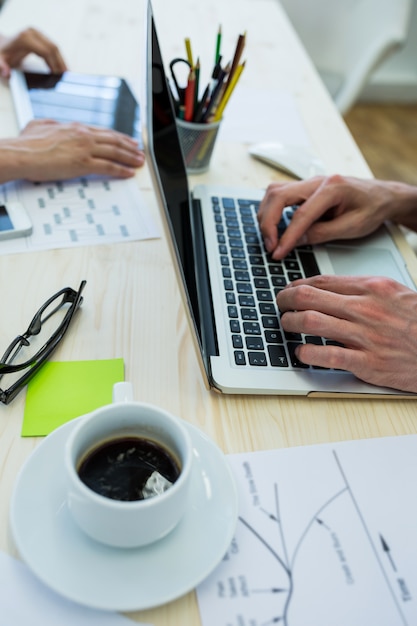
122 392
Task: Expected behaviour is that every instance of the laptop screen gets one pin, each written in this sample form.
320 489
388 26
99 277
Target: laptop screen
168 163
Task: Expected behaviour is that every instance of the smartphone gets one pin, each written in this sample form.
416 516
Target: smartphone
14 221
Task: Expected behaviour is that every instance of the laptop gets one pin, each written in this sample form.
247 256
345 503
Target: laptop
97 100
227 280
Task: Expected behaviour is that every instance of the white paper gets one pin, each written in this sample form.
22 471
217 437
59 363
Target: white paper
327 536
262 115
25 601
79 212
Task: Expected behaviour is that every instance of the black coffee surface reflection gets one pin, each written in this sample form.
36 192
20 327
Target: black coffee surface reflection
121 468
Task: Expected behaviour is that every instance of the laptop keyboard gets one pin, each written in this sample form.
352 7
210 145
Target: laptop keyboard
251 281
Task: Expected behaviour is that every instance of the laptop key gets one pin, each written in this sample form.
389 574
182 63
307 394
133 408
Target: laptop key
228 203
267 308
258 270
235 326
270 321
293 336
249 314
318 341
261 283
291 265
254 343
251 328
242 276
257 358
294 361
237 341
237 253
277 355
248 301
244 288
273 336
279 281
240 357
235 243
276 270
264 296
309 263
238 264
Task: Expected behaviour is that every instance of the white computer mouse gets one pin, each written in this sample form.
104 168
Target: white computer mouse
296 160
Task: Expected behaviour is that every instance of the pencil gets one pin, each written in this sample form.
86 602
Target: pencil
189 97
189 51
229 89
236 57
218 45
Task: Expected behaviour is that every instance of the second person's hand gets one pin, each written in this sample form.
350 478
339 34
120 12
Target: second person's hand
47 150
14 49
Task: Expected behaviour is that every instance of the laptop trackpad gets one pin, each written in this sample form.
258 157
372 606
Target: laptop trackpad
351 261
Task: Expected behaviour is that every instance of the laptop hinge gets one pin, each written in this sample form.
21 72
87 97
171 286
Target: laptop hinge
205 303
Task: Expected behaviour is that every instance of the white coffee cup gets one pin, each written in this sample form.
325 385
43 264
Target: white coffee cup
128 523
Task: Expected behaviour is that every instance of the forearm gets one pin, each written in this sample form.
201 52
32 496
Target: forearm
403 204
14 160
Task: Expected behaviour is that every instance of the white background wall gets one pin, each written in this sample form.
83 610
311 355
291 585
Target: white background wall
320 23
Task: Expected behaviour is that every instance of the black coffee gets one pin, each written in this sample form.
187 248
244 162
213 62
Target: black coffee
121 469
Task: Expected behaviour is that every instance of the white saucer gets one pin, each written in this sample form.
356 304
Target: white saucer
121 579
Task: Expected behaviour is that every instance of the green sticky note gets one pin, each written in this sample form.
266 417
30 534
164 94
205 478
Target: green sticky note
61 391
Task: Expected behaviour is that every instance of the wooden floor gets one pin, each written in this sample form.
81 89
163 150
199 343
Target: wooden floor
387 136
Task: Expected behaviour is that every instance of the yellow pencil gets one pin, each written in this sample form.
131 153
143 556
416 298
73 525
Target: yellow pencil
228 92
189 52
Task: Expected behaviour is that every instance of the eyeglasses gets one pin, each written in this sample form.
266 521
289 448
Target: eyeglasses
52 306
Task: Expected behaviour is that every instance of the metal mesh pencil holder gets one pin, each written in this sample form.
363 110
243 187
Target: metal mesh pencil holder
197 143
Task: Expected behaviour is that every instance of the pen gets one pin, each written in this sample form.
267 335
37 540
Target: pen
198 113
215 94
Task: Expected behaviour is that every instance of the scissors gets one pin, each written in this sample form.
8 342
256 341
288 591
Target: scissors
180 90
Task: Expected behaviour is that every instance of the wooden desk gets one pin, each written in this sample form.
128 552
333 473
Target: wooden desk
125 281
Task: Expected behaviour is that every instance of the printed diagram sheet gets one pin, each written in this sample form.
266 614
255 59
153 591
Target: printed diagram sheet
326 536
79 212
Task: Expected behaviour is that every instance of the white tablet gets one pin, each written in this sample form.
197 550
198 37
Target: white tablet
105 101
